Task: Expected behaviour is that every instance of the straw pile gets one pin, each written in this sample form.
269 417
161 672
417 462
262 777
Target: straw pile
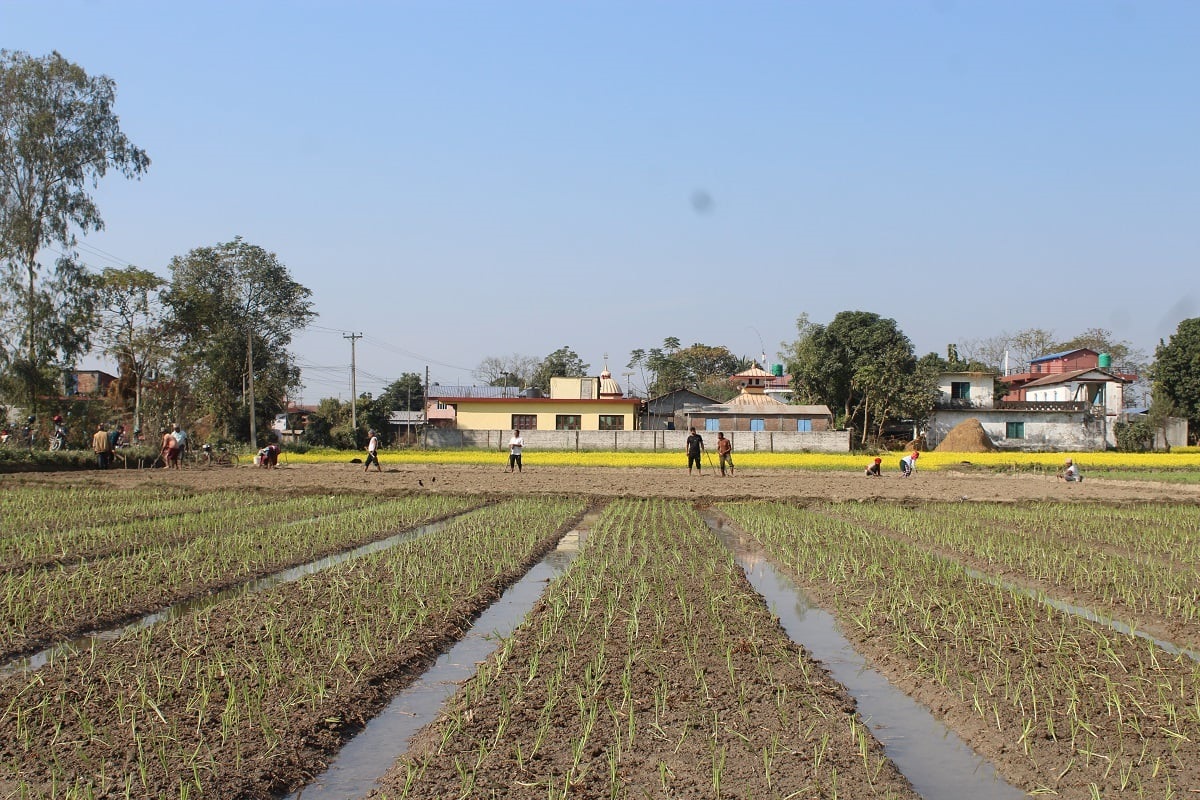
967 436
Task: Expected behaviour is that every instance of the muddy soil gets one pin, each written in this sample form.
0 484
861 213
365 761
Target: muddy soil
634 482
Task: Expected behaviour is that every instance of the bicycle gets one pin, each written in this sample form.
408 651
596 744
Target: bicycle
220 456
58 441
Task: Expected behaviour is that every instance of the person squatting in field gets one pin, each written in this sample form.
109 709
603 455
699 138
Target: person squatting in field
515 446
908 464
693 446
874 470
1070 472
724 452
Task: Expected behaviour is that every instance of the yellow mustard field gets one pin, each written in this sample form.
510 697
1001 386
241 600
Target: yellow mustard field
810 461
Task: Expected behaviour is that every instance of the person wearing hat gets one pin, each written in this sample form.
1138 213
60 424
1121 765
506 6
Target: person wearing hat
874 469
1070 472
372 452
908 464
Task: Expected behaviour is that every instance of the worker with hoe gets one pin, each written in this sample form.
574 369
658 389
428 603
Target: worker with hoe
693 446
724 453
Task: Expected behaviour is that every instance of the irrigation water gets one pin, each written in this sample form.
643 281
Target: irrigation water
41 658
938 764
368 755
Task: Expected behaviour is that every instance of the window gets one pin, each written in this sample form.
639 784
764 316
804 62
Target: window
804 425
566 422
712 424
524 422
960 390
612 422
1014 430
758 425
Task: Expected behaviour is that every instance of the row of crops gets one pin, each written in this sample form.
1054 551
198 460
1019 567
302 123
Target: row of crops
1078 709
247 696
650 669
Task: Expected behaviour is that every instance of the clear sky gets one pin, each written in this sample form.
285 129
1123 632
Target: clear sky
457 180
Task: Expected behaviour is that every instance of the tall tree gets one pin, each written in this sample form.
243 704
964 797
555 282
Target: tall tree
131 328
58 134
1177 373
562 363
515 370
699 367
859 363
234 308
406 393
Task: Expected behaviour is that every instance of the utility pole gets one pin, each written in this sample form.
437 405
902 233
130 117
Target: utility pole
353 337
425 413
250 371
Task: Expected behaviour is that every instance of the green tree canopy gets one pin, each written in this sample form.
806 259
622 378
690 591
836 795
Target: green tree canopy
860 364
131 328
1176 373
406 393
562 363
58 136
231 305
702 368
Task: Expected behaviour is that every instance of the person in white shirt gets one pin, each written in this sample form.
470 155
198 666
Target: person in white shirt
515 445
908 464
372 452
1070 472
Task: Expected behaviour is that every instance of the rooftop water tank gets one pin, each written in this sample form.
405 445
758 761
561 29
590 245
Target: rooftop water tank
777 370
1105 361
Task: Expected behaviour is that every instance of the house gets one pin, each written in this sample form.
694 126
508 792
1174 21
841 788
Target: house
1059 409
575 404
755 410
659 412
91 382
1043 368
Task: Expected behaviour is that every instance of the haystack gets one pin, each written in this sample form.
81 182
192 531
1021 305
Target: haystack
967 436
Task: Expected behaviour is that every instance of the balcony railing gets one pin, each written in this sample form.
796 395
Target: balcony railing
1042 405
957 403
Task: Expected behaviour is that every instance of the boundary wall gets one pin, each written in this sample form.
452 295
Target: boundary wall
743 441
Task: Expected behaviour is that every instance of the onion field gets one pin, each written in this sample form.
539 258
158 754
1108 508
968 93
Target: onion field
1059 640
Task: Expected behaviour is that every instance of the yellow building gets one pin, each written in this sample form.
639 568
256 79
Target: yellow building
574 404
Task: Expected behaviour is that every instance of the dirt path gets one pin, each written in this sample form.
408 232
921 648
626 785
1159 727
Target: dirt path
637 482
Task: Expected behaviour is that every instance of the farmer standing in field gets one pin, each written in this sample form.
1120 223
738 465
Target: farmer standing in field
908 464
100 444
693 446
724 452
515 445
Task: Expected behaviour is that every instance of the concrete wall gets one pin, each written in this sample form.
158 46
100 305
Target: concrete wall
743 441
1043 430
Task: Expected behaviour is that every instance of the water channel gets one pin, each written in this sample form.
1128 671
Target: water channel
938 764
366 757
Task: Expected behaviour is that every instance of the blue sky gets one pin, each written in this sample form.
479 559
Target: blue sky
471 179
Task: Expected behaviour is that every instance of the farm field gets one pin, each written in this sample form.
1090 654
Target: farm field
650 669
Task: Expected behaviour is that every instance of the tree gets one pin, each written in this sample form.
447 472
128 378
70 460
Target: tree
515 370
58 133
234 308
699 367
858 363
1176 373
562 363
131 328
406 393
